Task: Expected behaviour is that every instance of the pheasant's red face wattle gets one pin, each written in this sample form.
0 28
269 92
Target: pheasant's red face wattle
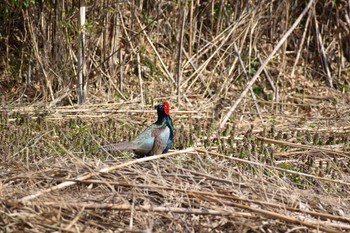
166 108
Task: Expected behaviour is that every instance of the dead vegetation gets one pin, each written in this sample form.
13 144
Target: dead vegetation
266 155
278 178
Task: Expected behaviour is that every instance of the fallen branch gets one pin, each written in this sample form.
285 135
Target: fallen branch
144 208
103 170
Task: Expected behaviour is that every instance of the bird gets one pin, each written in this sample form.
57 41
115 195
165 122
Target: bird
154 140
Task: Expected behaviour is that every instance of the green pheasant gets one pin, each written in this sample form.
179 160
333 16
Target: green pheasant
156 139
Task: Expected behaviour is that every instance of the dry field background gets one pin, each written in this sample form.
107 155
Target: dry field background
278 162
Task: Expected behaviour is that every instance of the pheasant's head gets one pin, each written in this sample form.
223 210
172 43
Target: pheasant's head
163 109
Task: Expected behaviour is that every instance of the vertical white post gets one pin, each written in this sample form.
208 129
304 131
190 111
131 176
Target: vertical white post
81 57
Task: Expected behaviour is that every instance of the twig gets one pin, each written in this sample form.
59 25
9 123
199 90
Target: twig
301 45
321 47
273 167
103 170
201 68
261 68
276 215
140 79
141 208
182 17
75 220
247 77
37 55
201 78
155 50
284 143
196 193
272 85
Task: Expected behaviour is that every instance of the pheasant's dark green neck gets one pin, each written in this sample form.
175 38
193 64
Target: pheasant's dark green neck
163 119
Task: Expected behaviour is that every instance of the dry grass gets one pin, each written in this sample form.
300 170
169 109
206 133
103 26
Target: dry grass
190 191
260 102
278 179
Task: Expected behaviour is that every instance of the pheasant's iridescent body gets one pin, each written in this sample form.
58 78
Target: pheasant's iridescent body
156 139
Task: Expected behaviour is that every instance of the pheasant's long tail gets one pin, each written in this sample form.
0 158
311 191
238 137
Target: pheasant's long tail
122 146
